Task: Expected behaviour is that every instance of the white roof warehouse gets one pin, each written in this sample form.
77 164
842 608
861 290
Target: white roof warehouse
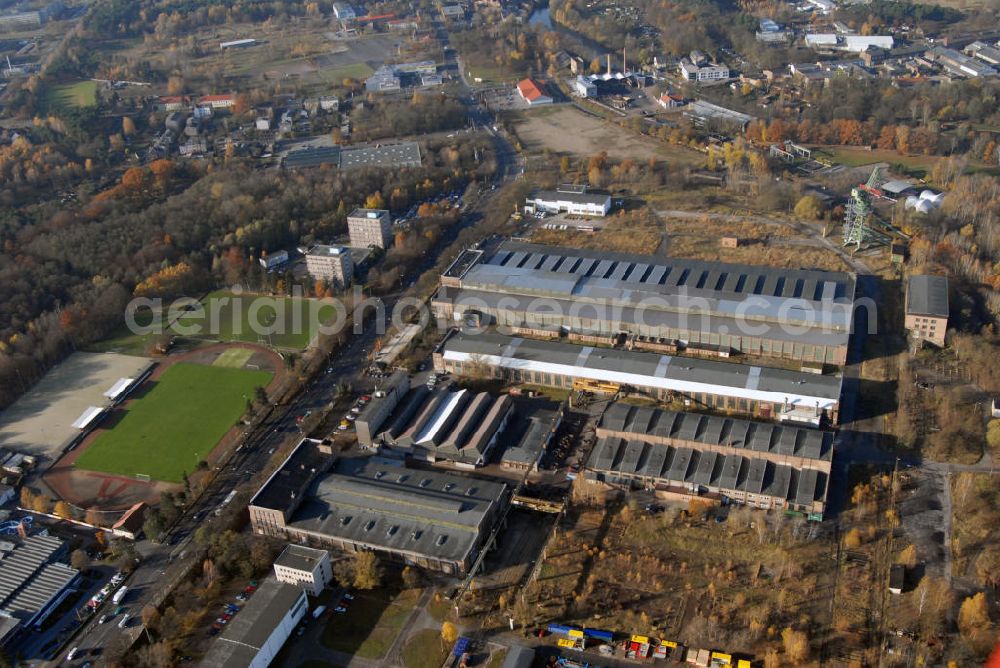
751 390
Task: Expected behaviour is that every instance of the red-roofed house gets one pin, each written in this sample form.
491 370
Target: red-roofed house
532 93
129 525
173 102
218 101
668 101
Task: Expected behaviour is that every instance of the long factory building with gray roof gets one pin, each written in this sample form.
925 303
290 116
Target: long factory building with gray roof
755 463
432 519
795 314
754 391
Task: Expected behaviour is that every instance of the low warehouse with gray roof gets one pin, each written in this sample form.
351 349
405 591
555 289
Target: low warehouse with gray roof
435 520
759 464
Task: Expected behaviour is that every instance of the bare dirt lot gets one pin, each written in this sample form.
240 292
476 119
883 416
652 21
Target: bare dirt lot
566 129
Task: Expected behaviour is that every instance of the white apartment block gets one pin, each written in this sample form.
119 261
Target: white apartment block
332 264
370 227
692 72
305 567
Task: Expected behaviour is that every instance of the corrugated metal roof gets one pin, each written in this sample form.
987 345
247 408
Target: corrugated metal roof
927 295
427 513
685 374
751 435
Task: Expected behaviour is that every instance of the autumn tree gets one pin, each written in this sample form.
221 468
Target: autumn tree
41 504
796 644
908 557
128 126
367 571
809 207
974 615
411 578
92 516
63 509
79 560
375 201
150 616
449 633
853 539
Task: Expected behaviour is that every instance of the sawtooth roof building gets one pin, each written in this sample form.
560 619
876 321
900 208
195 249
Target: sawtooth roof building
757 463
802 315
786 395
469 429
438 521
32 582
456 426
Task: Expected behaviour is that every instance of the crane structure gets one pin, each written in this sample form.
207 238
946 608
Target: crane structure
860 219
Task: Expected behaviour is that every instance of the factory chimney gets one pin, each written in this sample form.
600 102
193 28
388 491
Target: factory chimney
609 64
624 61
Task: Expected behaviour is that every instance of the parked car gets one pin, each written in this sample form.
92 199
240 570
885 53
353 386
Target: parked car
340 609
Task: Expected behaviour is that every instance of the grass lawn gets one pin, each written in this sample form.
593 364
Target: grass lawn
372 623
234 358
919 165
174 424
425 649
283 322
491 73
78 94
288 323
353 71
440 608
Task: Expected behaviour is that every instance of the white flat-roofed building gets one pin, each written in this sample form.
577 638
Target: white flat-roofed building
984 52
767 392
253 638
957 63
370 227
305 567
692 72
584 87
237 44
574 199
332 264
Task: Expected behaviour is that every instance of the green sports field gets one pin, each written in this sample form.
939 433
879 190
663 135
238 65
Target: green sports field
176 423
77 94
283 322
287 323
